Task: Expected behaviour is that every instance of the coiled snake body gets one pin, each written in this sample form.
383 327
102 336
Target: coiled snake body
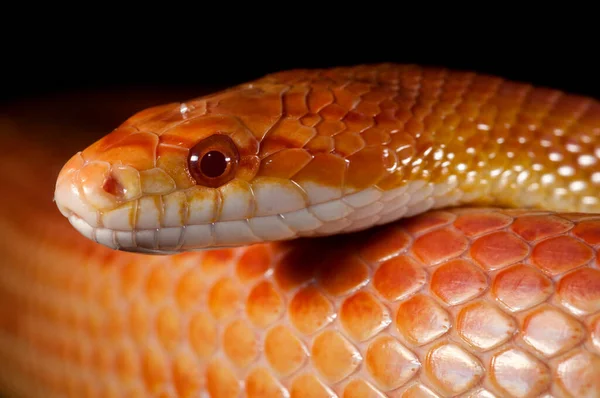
447 245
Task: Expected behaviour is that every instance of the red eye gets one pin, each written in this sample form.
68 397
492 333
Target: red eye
213 161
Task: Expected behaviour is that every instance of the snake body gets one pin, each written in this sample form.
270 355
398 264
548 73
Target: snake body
367 231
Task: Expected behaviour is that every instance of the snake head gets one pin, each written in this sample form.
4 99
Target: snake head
182 176
251 164
167 179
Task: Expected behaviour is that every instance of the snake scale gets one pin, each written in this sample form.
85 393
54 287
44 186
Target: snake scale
364 231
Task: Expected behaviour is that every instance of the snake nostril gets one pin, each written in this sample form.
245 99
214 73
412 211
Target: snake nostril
113 187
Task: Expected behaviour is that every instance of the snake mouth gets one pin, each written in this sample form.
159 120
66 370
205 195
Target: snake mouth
321 220
351 213
167 240
215 235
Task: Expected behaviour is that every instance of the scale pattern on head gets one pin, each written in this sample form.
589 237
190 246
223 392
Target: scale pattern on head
318 152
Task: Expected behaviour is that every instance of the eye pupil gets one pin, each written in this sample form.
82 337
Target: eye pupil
213 164
213 161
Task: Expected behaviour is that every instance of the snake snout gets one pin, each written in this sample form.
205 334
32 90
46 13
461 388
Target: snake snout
68 194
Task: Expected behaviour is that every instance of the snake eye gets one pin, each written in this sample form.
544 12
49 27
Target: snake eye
213 161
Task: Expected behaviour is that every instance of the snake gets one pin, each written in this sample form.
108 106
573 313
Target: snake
370 230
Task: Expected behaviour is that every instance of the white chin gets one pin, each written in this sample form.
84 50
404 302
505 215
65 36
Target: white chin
171 240
353 213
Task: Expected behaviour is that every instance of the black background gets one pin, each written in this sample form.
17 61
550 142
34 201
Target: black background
73 53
